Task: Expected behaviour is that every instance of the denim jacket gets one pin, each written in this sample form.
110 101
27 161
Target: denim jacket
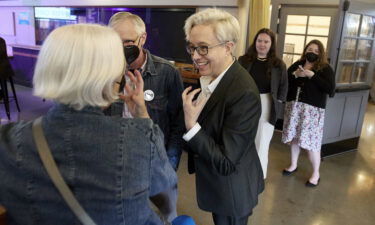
113 166
165 109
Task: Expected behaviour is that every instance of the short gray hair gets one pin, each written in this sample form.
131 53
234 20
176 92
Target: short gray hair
225 25
78 66
119 17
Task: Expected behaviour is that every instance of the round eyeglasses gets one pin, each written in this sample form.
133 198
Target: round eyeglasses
201 50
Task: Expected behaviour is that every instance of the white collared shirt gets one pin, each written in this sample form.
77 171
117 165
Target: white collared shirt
208 86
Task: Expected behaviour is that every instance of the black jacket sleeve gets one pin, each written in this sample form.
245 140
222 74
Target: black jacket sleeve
325 80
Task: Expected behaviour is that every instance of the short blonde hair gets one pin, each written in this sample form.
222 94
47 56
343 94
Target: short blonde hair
225 25
78 65
119 17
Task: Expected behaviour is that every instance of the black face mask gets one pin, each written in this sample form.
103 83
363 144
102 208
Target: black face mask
131 53
311 57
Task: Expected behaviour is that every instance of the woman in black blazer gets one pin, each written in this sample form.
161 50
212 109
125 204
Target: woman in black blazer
221 124
269 73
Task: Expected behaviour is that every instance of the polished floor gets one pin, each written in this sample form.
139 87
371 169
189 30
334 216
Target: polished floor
345 195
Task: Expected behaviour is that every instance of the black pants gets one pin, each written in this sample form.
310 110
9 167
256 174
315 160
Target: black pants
229 220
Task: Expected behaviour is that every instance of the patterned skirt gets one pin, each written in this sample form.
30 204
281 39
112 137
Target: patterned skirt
303 123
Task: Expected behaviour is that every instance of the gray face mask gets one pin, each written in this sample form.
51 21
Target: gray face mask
311 57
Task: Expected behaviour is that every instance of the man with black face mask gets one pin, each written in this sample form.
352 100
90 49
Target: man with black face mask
162 82
162 93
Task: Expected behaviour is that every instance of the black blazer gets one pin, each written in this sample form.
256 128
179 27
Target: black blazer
279 88
5 68
223 154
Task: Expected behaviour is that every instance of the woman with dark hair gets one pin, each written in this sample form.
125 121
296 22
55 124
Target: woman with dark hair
269 73
311 79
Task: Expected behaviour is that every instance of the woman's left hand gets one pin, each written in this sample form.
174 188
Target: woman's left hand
134 97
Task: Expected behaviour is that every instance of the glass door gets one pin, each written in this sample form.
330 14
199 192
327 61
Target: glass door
299 25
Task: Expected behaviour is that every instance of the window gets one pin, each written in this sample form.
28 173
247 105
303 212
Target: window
161 23
356 49
300 29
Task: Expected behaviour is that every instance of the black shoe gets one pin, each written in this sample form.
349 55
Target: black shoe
288 173
309 184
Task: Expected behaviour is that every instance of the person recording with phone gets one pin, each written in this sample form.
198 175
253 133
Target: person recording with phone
311 80
162 83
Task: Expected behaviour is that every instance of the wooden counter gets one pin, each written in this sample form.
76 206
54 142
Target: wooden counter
189 73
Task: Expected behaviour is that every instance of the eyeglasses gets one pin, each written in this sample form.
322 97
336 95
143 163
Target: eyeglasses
201 50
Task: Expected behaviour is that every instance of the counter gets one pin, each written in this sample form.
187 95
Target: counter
23 63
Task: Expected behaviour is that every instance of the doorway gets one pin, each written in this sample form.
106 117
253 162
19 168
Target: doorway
299 25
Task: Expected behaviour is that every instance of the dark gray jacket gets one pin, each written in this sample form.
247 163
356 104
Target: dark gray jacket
279 89
164 80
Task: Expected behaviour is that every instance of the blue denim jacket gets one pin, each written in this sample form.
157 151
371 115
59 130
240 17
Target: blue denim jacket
113 166
166 108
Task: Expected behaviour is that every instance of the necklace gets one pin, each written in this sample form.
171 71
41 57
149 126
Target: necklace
262 59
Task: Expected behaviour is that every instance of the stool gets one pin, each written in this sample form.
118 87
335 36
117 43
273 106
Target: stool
2 215
4 89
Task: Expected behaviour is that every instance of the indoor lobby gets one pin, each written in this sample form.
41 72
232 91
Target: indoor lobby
345 195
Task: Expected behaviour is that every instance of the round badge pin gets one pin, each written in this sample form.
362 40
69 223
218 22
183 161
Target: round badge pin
149 95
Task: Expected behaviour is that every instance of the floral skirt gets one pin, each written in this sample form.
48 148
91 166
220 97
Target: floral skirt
304 124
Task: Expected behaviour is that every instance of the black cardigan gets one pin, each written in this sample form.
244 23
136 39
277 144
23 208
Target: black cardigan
314 91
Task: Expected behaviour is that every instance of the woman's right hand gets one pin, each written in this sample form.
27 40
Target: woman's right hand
134 97
192 109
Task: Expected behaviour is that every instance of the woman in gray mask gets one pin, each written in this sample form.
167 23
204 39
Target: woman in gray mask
311 79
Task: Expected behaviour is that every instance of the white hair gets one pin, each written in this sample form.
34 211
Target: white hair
120 17
78 65
225 25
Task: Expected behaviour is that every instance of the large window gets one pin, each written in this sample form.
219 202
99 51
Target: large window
356 49
164 26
